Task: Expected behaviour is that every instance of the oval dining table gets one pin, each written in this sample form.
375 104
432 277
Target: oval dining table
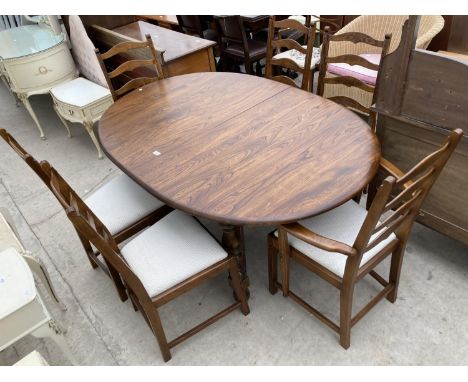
240 150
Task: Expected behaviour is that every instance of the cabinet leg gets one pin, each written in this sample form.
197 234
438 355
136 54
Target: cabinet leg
24 98
63 121
54 332
89 128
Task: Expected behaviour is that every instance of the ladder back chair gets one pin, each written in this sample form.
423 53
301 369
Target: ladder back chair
347 243
236 46
155 62
171 257
351 70
141 209
297 57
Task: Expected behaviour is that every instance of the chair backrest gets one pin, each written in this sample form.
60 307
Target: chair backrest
378 26
231 30
89 226
397 201
190 24
131 65
276 44
28 158
332 23
326 80
83 52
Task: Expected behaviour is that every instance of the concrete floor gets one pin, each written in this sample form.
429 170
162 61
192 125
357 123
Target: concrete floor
428 324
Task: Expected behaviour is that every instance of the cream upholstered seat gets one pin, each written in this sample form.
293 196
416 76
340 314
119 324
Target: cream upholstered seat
299 57
169 252
341 224
121 202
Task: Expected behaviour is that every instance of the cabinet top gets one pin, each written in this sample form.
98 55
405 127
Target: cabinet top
26 40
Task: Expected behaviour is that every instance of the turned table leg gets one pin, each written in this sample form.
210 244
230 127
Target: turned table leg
233 242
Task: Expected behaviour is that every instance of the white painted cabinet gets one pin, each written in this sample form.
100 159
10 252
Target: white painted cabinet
33 60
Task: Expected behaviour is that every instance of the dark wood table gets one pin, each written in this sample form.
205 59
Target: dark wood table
165 21
182 53
240 150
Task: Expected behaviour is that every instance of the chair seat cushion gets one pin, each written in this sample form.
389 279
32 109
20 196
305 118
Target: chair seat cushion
121 202
257 49
171 251
366 75
16 282
341 224
299 58
79 92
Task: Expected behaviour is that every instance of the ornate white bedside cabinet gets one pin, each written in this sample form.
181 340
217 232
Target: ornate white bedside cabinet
33 60
81 101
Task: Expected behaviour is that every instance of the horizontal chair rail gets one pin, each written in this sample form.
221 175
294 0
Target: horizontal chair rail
286 63
357 37
289 44
352 60
128 66
203 325
349 102
311 310
349 81
383 293
122 47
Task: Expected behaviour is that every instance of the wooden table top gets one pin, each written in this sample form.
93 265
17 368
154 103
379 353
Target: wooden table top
174 44
239 149
458 56
167 19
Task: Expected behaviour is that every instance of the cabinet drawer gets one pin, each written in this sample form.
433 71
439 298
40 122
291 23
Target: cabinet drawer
70 113
39 72
98 109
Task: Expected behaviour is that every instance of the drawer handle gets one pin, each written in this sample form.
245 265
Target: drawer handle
43 70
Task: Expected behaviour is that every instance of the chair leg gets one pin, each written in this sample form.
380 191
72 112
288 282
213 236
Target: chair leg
258 69
272 266
248 67
89 128
54 332
346 307
237 286
156 327
395 270
284 260
224 64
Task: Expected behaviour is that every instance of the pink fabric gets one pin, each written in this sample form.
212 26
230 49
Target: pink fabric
359 72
